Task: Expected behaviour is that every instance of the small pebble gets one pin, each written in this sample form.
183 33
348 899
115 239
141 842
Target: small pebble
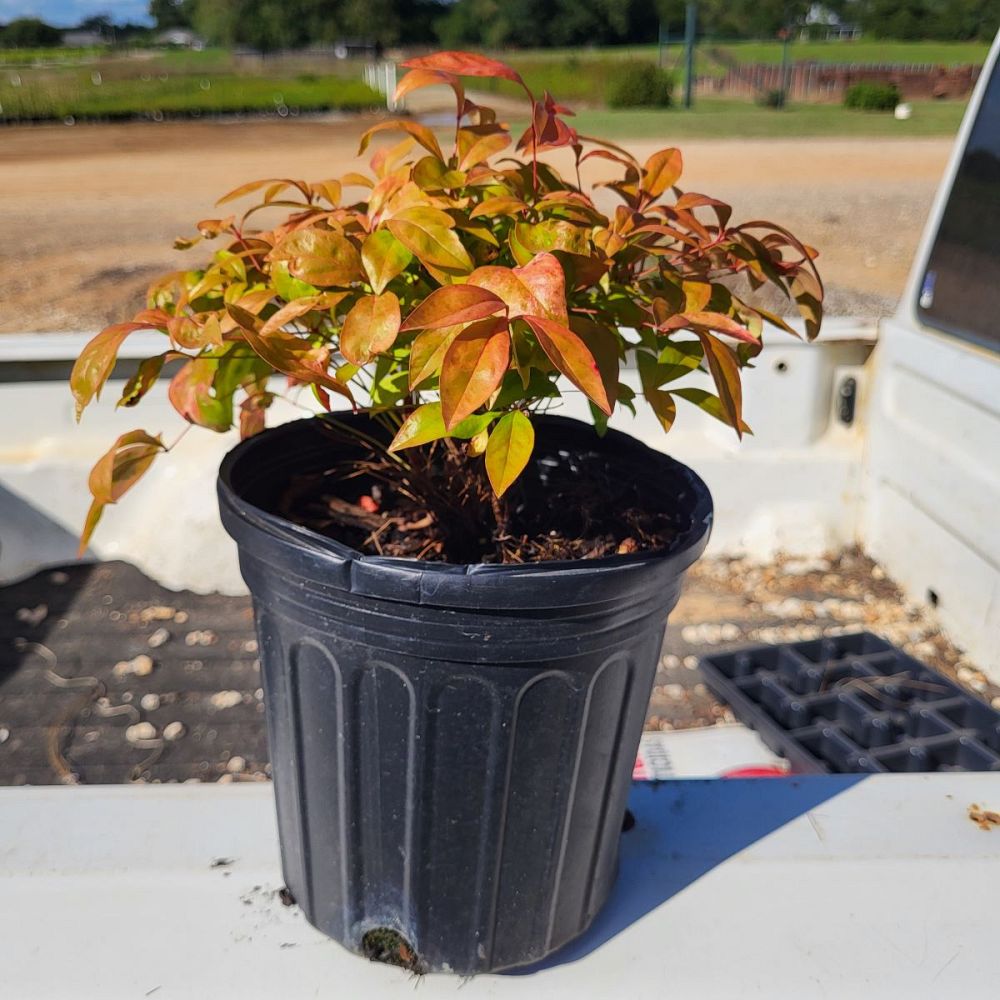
158 638
173 731
691 662
33 617
226 779
996 703
730 632
149 702
978 684
965 674
201 637
156 613
140 731
671 662
236 765
91 736
181 617
675 691
139 666
4 735
259 694
226 699
250 646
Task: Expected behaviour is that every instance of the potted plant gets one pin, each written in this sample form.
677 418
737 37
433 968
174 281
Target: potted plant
460 596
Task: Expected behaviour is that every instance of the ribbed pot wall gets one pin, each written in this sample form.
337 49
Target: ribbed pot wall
452 747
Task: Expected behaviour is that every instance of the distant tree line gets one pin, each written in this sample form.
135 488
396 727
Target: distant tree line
268 25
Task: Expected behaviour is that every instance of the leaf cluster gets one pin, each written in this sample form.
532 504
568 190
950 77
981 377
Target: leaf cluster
457 292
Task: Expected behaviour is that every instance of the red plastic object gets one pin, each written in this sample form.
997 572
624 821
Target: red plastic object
762 771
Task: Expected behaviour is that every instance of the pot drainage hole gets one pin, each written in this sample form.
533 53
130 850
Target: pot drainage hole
382 944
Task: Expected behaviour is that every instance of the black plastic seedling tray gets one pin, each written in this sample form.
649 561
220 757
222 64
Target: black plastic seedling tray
855 704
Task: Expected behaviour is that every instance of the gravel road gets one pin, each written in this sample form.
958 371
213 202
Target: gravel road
89 212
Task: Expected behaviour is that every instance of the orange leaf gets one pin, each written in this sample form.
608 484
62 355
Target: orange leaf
427 353
287 353
97 361
451 305
709 321
116 472
371 327
421 133
725 370
572 357
662 171
473 367
417 78
537 289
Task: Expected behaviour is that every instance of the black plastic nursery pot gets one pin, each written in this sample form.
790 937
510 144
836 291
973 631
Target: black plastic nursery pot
452 746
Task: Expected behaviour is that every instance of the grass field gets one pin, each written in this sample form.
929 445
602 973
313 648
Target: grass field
582 74
718 118
58 83
179 83
118 99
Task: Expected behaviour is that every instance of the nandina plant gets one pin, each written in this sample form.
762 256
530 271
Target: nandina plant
460 295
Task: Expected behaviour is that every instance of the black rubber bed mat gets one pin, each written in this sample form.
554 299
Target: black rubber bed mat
855 704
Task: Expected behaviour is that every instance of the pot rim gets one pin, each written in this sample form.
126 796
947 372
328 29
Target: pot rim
681 552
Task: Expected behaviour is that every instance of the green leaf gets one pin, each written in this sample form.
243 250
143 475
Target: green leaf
370 328
423 425
452 305
191 395
509 450
384 258
286 286
472 426
145 377
473 367
710 404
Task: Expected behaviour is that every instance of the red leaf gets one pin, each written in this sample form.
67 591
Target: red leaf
473 367
465 64
708 321
451 305
572 357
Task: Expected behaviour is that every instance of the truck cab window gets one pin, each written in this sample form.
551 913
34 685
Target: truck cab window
960 291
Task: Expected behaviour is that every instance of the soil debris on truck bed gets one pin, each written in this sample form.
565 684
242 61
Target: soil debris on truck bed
107 677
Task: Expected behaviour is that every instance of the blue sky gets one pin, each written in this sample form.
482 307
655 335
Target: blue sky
68 12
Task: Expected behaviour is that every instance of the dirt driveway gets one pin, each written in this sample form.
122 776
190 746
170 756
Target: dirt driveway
88 213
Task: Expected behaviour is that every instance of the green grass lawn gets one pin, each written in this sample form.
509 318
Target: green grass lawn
862 51
76 95
717 118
